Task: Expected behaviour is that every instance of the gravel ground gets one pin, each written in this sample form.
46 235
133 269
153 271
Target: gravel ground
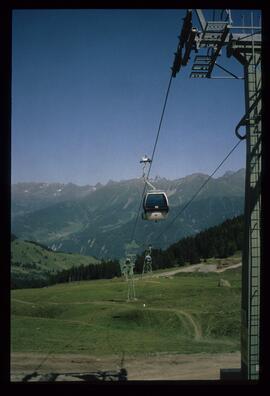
158 367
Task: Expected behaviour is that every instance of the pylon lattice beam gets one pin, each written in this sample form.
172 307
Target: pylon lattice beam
246 48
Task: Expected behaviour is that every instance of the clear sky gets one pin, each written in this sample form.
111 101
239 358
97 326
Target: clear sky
88 87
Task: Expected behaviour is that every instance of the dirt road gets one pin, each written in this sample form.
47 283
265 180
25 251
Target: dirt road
159 367
193 268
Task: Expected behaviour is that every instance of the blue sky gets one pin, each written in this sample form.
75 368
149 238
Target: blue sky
88 87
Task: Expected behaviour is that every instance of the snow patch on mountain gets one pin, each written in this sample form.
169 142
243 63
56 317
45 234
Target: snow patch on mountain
129 201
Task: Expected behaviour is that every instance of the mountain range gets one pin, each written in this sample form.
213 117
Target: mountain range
103 220
28 197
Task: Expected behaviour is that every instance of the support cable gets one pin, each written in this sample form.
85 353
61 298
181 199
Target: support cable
199 189
152 157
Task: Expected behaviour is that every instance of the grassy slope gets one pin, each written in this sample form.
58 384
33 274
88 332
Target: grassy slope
187 314
28 254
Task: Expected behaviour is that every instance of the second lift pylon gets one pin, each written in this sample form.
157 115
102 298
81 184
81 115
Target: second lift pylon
147 265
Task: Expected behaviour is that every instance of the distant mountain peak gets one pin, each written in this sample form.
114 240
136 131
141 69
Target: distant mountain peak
195 176
228 173
110 182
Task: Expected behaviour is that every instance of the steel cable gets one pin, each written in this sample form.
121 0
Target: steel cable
199 189
152 157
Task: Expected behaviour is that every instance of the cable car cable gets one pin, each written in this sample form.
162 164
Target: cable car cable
199 189
159 127
153 154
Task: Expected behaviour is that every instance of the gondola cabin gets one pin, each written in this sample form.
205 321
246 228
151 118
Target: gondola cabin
155 206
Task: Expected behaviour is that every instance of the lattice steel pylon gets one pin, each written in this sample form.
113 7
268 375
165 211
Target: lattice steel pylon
129 276
123 268
147 264
246 48
250 57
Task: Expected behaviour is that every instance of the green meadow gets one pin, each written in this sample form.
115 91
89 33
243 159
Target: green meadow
26 254
186 313
32 264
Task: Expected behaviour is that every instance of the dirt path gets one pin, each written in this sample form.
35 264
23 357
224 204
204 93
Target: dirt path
159 367
197 328
22 301
231 266
179 313
192 268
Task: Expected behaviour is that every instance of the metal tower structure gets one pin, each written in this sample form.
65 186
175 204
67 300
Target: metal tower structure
128 272
244 44
123 268
147 265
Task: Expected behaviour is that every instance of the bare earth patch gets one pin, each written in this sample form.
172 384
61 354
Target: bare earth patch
159 367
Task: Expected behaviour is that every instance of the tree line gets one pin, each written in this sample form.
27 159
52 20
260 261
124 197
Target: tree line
103 270
220 241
